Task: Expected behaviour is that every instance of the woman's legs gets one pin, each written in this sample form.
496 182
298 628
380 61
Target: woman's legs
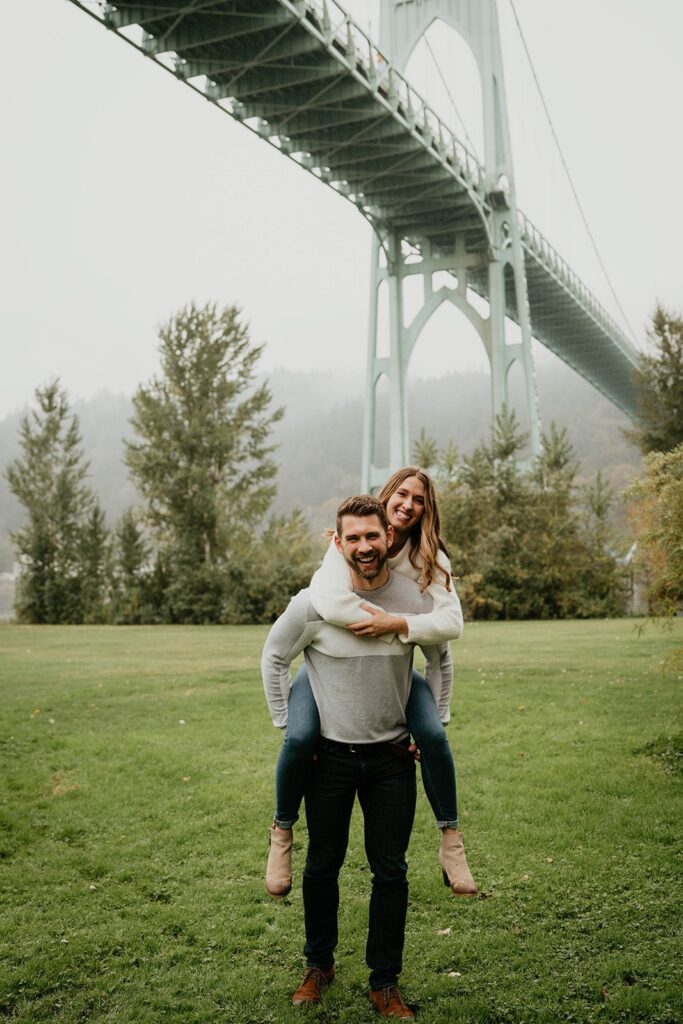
438 776
291 776
436 760
296 754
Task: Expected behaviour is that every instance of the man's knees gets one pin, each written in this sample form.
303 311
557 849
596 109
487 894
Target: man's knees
390 877
323 869
388 869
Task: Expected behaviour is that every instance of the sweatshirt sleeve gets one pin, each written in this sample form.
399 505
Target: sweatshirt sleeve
284 642
444 621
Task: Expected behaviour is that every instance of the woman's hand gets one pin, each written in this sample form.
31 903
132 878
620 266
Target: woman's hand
380 623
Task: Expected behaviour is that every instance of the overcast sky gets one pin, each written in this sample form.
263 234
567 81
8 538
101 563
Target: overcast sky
123 194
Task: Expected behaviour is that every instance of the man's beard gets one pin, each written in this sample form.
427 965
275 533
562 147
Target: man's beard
368 570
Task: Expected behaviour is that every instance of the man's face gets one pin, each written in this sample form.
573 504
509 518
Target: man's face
364 544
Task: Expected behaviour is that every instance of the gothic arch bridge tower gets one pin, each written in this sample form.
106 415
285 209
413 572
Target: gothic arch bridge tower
426 231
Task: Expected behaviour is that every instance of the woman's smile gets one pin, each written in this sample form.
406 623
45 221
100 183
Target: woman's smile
406 505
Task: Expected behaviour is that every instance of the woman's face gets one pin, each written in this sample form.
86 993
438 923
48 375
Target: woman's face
406 505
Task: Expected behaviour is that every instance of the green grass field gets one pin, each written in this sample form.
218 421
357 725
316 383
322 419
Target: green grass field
137 768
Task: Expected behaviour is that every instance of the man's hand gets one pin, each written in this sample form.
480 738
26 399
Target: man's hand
380 623
414 750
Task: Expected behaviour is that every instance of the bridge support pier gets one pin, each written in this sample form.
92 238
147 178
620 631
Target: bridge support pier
403 22
392 263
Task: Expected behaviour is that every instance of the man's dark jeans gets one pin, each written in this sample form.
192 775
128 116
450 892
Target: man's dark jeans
385 783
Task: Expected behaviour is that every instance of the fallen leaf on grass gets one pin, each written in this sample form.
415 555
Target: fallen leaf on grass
60 786
36 711
549 860
525 878
186 778
443 931
454 974
604 993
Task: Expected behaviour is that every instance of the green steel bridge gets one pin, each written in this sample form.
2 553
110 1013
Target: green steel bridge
306 79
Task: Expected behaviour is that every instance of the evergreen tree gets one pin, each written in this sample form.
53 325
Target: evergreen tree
94 566
660 387
499 511
48 479
656 512
552 529
425 451
130 573
269 571
516 537
603 581
202 457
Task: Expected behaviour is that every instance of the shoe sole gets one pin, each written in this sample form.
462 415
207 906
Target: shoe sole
448 886
279 895
312 1002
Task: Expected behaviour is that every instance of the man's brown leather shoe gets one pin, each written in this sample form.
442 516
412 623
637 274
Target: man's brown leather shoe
310 989
389 1003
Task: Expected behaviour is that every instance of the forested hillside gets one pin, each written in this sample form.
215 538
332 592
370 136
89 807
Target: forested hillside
319 438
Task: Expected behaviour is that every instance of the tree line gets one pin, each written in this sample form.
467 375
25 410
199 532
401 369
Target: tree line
656 498
202 547
527 542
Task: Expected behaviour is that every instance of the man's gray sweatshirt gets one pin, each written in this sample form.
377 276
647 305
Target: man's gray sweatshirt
361 685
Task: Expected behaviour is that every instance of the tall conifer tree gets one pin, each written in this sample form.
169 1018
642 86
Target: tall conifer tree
660 387
202 456
49 481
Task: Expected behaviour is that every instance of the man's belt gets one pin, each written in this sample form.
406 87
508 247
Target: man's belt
399 748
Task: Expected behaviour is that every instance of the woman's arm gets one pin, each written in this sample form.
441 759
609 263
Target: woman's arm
334 600
444 621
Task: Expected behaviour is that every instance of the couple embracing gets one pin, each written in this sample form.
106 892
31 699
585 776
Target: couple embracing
384 585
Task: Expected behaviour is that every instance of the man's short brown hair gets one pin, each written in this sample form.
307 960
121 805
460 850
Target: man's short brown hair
362 505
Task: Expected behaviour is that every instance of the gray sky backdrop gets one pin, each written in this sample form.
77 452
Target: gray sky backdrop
123 195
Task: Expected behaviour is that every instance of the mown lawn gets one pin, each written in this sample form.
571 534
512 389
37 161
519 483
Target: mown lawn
137 768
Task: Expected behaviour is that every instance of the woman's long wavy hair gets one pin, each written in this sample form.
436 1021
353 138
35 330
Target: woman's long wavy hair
425 537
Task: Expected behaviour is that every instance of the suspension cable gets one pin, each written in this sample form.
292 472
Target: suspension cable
569 177
445 85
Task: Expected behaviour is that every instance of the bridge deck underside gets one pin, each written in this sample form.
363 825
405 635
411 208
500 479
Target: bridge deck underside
573 330
307 88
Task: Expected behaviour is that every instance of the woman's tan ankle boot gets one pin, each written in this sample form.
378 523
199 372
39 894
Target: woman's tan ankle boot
456 873
279 869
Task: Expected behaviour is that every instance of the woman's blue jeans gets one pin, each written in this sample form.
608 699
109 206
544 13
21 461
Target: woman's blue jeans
303 734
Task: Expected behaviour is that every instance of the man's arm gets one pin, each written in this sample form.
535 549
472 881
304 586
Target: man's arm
287 639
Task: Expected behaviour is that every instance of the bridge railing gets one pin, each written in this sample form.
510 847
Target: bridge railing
336 30
539 245
342 32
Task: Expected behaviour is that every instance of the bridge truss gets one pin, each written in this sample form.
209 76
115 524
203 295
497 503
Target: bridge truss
307 80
